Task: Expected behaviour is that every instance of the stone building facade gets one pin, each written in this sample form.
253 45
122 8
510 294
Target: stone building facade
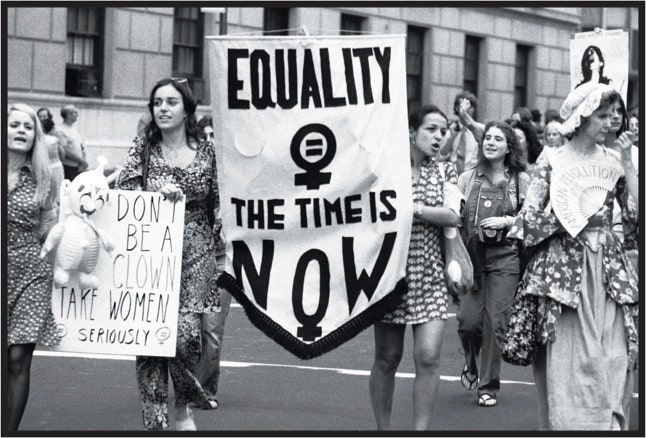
106 60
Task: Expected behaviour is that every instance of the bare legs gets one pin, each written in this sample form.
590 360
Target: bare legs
389 347
427 340
18 381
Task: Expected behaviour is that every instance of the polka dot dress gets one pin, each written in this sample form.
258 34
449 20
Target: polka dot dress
427 296
29 286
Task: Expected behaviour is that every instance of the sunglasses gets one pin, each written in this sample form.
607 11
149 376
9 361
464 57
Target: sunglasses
180 80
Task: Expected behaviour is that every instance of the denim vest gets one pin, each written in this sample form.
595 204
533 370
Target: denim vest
506 252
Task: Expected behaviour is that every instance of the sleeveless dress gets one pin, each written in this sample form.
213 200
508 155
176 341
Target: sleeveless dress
29 278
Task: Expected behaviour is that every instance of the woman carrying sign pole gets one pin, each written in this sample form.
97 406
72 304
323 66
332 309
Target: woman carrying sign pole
171 160
587 294
425 305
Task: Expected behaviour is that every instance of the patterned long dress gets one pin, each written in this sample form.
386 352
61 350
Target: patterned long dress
29 281
588 295
427 296
198 292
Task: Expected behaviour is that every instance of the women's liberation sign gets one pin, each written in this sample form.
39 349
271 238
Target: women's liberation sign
579 190
134 309
314 174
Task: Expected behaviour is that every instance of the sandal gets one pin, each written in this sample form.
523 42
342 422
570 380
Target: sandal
469 384
487 400
209 406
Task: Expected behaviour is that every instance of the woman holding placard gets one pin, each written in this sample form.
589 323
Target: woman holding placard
31 211
587 295
171 160
494 191
425 305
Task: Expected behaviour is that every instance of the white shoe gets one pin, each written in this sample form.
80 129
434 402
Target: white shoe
184 418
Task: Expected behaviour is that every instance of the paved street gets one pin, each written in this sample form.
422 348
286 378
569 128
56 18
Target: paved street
263 387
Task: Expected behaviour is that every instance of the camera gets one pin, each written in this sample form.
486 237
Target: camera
489 236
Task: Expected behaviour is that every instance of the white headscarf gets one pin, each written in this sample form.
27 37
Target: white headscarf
581 102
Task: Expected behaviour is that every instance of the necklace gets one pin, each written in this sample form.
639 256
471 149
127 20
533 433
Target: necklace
171 152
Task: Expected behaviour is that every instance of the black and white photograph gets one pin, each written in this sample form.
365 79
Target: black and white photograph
328 218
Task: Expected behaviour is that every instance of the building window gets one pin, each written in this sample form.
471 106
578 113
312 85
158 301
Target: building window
188 36
351 24
471 62
276 21
522 72
84 70
414 62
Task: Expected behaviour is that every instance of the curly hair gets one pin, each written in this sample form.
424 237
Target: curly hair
513 160
153 133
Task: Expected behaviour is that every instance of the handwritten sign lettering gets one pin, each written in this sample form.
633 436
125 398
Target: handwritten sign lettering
134 309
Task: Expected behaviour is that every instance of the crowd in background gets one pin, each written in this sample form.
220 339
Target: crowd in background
585 286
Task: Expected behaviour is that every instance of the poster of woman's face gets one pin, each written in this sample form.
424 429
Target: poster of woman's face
600 57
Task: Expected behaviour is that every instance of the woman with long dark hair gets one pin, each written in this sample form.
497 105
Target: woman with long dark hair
172 160
494 191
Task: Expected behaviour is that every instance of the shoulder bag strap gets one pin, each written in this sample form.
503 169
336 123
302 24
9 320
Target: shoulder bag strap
145 163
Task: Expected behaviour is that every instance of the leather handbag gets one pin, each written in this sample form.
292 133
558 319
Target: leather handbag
458 269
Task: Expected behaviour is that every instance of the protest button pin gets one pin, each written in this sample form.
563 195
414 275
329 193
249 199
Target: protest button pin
487 203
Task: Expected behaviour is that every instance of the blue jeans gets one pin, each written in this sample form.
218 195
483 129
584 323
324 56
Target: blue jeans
208 371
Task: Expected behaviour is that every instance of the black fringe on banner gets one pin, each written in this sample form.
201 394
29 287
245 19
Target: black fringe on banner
309 351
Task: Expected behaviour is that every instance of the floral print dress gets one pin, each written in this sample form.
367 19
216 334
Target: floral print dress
198 292
29 280
427 296
588 298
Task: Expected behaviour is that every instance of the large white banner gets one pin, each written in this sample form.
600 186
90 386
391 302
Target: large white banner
600 56
134 310
315 183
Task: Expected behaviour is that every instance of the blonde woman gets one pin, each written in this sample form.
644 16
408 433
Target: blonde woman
30 213
553 136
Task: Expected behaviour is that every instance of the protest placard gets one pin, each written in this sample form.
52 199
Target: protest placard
579 190
600 56
315 182
134 309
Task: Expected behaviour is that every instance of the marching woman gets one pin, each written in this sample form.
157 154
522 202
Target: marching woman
587 294
171 160
553 136
31 211
493 191
425 305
